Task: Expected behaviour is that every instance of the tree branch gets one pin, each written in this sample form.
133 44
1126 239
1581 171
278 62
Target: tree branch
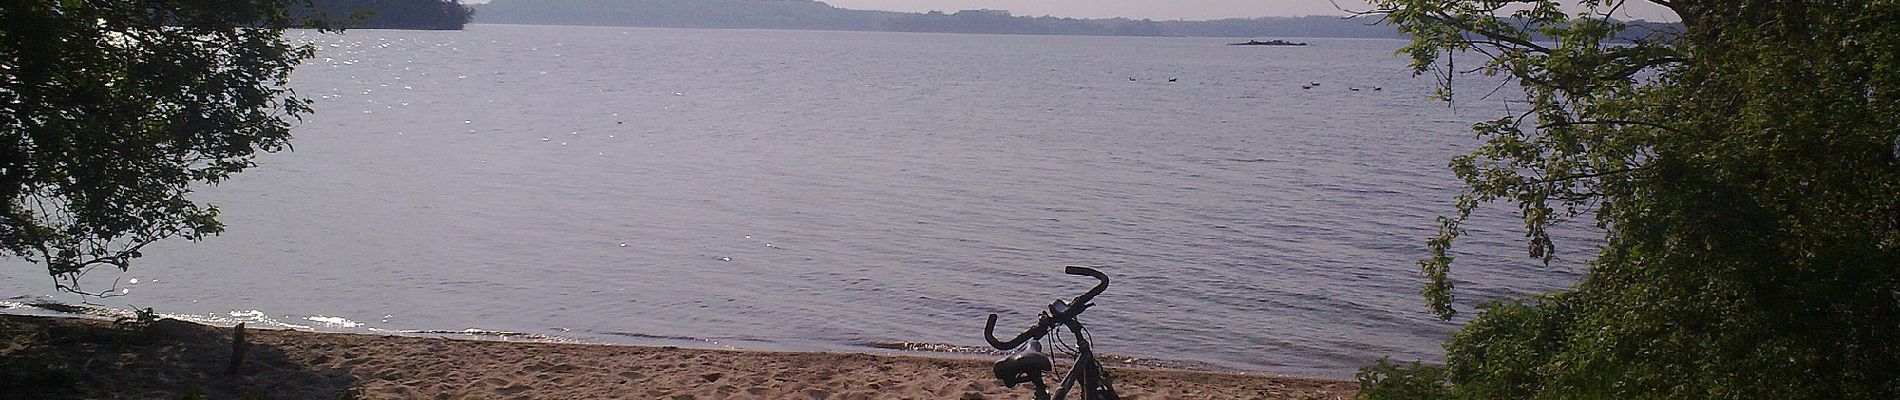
1609 122
1586 176
1494 35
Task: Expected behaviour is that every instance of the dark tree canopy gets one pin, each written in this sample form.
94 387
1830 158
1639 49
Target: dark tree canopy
1745 170
390 14
112 111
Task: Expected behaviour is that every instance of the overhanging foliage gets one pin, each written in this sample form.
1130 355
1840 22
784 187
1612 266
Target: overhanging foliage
110 112
1746 173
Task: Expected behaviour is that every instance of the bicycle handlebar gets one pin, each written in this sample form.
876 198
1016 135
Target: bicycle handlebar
1049 321
1086 271
989 333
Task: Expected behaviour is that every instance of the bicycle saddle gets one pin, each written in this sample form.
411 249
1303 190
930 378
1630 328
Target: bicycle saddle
1024 367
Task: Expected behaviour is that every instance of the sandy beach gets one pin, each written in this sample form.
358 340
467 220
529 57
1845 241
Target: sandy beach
70 358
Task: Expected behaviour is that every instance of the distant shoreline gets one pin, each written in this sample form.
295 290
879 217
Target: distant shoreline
815 15
54 357
1212 40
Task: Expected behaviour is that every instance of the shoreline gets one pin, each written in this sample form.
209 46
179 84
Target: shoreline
64 357
47 308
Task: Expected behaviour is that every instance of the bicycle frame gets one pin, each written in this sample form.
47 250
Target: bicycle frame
1095 382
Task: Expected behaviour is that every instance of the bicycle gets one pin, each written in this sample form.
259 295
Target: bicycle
1028 366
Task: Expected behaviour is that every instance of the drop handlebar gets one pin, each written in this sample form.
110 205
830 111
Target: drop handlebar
1059 313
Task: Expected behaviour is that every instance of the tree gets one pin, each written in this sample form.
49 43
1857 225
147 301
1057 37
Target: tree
112 111
392 14
1745 170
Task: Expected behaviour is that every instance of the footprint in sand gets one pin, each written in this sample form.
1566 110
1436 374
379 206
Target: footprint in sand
389 374
511 390
818 394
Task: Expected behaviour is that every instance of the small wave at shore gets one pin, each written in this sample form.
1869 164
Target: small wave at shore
25 305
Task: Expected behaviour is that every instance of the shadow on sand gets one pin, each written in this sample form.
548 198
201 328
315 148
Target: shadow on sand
73 358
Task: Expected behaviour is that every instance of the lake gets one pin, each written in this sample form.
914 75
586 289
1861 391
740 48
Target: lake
804 190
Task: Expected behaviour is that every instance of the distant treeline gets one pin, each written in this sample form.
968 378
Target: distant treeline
391 14
809 14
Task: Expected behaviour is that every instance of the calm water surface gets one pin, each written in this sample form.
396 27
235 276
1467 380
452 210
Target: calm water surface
835 191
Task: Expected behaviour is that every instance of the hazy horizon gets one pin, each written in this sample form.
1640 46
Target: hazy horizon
1177 10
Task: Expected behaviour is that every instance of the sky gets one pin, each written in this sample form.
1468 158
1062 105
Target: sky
1166 9
1150 9
1171 9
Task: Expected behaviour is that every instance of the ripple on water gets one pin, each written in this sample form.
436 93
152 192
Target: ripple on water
908 185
